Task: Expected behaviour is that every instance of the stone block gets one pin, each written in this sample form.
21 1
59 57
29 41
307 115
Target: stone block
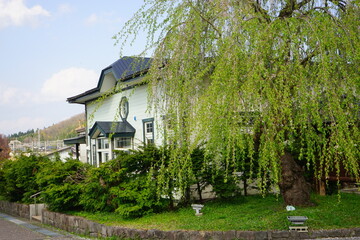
229 235
181 235
82 223
261 235
280 234
217 235
194 235
92 227
94 235
119 231
169 235
104 231
151 234
147 234
249 235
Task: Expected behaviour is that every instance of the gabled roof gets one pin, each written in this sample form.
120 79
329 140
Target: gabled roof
118 129
124 69
130 67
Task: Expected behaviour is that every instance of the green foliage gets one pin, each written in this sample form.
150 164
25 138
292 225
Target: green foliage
224 185
19 177
2 183
124 185
96 194
61 184
137 195
293 66
4 149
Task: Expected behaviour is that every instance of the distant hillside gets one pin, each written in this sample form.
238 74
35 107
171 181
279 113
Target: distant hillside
62 130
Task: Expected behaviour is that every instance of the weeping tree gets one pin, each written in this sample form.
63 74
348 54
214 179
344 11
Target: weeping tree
278 80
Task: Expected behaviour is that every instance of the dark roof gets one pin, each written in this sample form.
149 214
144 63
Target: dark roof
74 140
123 69
129 67
118 129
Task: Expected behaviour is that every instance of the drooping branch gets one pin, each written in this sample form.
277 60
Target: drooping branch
340 3
306 60
280 63
205 19
292 6
258 9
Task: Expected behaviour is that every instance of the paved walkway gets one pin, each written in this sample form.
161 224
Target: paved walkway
12 228
347 238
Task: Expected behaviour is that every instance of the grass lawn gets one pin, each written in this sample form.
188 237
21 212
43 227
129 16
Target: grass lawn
246 213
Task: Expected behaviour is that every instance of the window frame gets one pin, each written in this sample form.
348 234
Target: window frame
148 137
116 139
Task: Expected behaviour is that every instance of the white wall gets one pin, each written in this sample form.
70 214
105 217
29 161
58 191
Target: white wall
108 110
82 152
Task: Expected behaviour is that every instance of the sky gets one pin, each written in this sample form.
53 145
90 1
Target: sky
54 49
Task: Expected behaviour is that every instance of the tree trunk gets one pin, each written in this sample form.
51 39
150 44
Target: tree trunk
245 186
293 186
199 191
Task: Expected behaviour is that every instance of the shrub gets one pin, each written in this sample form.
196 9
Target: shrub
61 184
96 194
124 184
19 177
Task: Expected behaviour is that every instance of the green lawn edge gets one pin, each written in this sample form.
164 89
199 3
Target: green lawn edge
250 213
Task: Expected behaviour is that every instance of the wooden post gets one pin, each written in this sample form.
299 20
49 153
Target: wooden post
77 150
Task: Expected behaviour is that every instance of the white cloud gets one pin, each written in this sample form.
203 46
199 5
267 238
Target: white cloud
15 96
104 18
92 19
7 95
21 124
61 85
16 13
65 8
67 83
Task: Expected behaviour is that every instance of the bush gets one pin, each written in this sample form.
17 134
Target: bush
137 197
19 177
123 184
128 185
96 194
61 184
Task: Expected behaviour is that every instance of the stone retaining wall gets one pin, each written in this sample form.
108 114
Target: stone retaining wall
15 209
83 226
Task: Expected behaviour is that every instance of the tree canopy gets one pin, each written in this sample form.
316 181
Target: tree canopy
255 78
4 148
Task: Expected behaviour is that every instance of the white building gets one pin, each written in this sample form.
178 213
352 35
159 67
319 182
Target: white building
62 153
119 121
79 151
